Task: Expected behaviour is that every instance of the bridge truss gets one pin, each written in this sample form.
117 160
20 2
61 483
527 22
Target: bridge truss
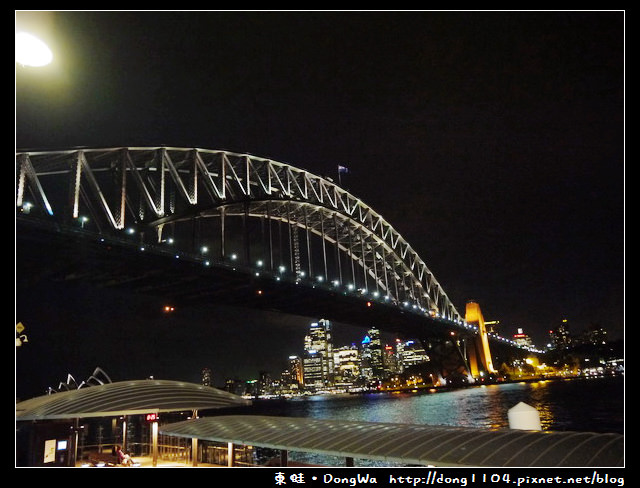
221 207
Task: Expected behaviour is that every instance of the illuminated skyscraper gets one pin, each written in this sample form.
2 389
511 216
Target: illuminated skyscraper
234 386
265 383
522 339
318 355
291 378
411 353
347 364
560 337
295 369
390 360
372 365
206 377
594 335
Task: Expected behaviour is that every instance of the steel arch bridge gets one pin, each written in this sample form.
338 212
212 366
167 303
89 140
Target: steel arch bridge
224 210
308 228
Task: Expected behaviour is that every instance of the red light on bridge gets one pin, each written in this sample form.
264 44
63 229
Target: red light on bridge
152 417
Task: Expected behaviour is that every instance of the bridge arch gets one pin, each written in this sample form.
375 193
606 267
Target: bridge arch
263 214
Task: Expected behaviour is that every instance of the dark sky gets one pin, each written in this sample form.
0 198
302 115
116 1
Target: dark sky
492 141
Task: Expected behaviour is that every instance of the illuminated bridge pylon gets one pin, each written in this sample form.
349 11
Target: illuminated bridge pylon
235 210
478 352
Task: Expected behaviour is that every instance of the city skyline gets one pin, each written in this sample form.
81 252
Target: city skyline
324 365
494 142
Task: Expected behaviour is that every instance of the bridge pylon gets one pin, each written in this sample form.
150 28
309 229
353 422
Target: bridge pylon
479 354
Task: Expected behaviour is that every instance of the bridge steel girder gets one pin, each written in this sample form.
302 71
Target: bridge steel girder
188 194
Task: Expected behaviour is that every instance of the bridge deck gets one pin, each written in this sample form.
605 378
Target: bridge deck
121 265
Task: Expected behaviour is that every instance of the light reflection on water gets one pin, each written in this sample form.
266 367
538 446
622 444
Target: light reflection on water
580 405
595 405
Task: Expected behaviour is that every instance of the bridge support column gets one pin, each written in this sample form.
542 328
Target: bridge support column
473 316
472 357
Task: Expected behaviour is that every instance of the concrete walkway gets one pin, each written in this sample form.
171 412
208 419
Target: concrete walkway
147 462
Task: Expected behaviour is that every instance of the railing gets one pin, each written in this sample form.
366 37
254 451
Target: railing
219 455
171 449
175 452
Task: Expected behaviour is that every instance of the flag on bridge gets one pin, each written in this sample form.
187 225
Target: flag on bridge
341 170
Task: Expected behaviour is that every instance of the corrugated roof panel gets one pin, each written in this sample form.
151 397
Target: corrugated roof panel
584 449
497 450
126 398
409 443
461 447
426 441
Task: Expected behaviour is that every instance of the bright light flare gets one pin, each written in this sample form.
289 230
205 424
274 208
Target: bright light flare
31 51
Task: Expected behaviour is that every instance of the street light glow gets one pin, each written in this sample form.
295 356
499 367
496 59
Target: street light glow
31 51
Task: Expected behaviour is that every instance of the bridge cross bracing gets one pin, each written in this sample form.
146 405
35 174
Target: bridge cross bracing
167 189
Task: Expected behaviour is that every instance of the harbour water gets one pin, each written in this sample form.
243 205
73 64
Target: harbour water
584 404
581 404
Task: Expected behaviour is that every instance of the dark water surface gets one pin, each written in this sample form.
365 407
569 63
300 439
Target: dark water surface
595 405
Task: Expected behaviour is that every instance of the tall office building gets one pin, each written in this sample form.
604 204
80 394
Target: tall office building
561 337
295 370
265 383
522 339
390 360
372 365
206 377
234 386
291 379
411 353
347 364
594 335
318 365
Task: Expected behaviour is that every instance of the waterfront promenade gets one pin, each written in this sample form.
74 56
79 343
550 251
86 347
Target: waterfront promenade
147 462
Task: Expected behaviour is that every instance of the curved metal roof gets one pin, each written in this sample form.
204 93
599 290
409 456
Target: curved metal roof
126 398
410 443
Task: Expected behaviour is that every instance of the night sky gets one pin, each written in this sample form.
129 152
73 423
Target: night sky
492 141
